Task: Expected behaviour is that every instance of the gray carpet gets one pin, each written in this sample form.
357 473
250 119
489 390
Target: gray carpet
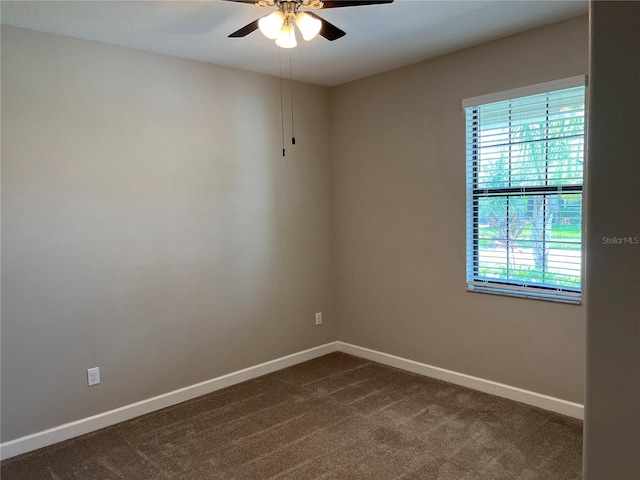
335 417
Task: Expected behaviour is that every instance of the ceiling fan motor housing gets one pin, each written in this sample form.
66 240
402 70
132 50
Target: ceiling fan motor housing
291 6
289 9
312 4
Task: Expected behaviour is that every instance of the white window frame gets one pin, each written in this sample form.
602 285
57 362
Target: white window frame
499 287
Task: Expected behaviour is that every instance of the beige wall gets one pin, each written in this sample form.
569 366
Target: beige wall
151 226
399 216
612 417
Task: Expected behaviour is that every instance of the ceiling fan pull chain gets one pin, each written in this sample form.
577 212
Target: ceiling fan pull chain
293 130
281 102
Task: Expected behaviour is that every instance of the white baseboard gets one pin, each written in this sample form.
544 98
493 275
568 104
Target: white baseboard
546 402
86 425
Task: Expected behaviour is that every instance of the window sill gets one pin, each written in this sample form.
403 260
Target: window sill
506 292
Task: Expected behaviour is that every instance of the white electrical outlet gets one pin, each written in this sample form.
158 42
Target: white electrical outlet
319 318
93 376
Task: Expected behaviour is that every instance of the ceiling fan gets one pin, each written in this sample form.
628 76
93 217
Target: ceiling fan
279 25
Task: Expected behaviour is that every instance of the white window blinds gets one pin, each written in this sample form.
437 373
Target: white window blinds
525 164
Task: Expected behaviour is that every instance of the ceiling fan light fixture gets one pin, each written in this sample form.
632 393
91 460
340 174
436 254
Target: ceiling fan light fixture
271 25
287 36
309 26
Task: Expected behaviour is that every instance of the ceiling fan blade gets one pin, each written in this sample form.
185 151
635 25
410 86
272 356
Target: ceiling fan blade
352 3
246 30
328 30
241 1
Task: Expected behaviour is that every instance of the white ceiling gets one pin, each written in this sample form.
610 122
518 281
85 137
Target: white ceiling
379 37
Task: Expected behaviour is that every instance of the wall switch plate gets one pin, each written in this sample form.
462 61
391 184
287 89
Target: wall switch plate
319 318
93 376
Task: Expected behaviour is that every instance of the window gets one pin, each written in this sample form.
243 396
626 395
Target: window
525 163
